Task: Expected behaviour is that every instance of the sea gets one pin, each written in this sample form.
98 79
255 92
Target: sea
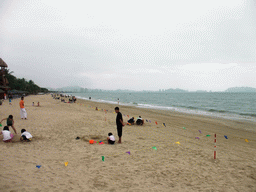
237 106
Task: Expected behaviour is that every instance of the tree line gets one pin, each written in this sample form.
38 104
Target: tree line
22 84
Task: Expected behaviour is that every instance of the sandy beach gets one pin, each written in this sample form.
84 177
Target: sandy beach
169 166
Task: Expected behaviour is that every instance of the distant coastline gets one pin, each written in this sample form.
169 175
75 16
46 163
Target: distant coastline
78 89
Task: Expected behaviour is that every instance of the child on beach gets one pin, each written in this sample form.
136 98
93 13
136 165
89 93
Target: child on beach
10 101
131 121
9 122
111 139
140 121
7 135
25 136
33 104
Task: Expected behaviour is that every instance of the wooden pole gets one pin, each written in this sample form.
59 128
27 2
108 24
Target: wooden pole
215 147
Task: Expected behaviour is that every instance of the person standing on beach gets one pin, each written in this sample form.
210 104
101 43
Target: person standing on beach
23 112
119 124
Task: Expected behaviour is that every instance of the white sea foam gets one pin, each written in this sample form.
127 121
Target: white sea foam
214 107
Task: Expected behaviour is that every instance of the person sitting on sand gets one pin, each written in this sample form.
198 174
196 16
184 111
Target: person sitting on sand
131 121
33 103
7 135
25 136
111 139
140 121
10 122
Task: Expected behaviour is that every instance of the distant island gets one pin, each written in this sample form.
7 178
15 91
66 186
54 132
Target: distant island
78 89
241 89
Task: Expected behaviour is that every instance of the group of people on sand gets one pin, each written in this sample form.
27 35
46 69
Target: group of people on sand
139 121
7 135
38 104
26 136
120 124
60 96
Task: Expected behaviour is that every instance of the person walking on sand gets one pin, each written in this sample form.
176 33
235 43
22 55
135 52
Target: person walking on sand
23 112
9 122
119 124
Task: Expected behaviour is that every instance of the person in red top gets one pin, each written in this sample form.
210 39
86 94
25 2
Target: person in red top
23 112
4 96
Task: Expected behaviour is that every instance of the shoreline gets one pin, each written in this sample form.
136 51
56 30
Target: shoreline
213 113
250 124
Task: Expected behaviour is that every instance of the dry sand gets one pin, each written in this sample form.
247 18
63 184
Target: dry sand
188 166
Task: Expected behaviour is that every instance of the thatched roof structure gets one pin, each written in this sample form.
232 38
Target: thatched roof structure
2 63
1 91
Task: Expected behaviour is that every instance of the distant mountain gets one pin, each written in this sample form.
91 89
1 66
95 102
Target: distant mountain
177 90
201 91
73 89
241 89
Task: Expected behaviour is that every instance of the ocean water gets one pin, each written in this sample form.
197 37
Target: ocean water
240 106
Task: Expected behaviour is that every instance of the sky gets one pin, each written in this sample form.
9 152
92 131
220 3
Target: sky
136 45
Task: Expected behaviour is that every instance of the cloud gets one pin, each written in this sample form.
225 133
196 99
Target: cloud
116 44
207 67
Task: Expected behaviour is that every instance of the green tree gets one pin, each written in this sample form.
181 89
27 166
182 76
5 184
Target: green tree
22 84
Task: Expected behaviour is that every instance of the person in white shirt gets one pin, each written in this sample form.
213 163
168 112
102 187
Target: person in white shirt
111 138
25 136
140 121
7 135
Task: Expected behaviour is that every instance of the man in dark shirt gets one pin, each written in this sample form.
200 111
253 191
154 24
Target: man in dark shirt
119 124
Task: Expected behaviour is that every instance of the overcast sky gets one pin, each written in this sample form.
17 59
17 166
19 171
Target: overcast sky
138 45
